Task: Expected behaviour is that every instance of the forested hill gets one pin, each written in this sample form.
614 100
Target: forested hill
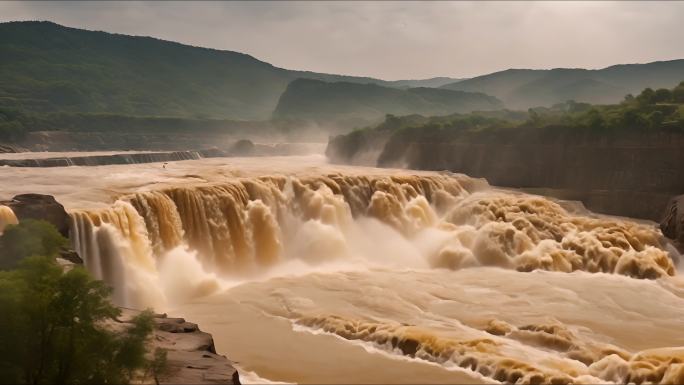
346 104
621 159
46 67
524 88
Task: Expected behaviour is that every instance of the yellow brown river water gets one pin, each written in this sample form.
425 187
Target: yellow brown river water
314 273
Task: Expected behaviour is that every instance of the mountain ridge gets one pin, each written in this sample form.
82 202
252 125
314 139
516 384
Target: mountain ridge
354 105
525 88
49 67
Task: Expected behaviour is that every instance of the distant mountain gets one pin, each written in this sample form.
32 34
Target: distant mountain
46 67
521 88
353 104
431 83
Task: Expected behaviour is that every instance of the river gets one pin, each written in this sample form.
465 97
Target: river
314 273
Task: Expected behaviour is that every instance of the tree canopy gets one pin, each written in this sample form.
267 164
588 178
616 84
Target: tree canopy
54 322
29 238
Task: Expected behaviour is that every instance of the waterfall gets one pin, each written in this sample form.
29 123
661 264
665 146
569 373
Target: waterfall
115 247
249 226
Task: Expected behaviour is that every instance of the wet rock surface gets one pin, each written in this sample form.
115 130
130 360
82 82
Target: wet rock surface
628 175
71 256
672 224
191 356
10 148
100 160
239 149
39 206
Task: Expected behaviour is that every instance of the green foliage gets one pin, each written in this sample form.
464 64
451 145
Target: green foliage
678 93
29 238
49 68
53 321
662 95
646 96
13 125
52 328
650 111
158 365
348 104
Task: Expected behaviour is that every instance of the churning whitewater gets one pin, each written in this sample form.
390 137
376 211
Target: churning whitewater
420 277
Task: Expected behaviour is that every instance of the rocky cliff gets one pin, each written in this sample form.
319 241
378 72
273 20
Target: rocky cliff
631 175
672 224
38 206
191 356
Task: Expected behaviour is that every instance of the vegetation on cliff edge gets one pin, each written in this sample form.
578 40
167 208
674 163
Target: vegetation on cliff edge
53 320
661 109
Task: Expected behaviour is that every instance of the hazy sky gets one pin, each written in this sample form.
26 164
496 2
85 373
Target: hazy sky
393 40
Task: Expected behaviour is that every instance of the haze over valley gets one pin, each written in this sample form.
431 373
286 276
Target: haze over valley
193 207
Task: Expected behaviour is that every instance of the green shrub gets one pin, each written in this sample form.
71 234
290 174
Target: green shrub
52 328
53 322
28 238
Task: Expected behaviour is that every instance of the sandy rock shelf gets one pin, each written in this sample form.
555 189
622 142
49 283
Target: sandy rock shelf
191 355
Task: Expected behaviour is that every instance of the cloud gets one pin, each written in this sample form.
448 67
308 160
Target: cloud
394 40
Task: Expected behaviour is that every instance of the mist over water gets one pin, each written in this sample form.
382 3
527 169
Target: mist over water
273 211
317 273
250 226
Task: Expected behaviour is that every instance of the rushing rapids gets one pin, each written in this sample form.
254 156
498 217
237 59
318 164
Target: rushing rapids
390 275
539 327
247 225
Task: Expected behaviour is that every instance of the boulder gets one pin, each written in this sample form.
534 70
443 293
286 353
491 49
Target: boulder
243 147
71 256
38 206
672 224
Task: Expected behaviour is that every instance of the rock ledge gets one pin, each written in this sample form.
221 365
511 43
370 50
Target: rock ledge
191 355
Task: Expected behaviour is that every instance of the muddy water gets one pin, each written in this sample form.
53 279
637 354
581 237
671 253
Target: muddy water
590 327
306 272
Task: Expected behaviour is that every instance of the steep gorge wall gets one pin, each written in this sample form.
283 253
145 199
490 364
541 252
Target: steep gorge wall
630 176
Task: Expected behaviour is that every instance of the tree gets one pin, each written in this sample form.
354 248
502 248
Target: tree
678 93
655 119
158 366
646 96
631 118
534 118
30 237
52 328
662 95
11 131
594 120
53 322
